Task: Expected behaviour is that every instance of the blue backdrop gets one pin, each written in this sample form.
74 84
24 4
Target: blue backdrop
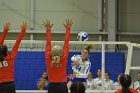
29 67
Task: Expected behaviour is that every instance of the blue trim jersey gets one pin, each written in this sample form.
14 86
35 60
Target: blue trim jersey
81 70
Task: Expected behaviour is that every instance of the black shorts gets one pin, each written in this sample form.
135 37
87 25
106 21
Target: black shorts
7 87
57 88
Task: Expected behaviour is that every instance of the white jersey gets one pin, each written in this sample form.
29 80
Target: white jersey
97 83
109 84
116 86
83 68
90 84
137 85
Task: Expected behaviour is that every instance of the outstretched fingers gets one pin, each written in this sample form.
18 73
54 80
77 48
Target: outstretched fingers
68 23
7 26
47 24
24 25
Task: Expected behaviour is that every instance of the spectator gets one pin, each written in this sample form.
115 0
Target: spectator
90 81
97 81
137 83
117 85
108 82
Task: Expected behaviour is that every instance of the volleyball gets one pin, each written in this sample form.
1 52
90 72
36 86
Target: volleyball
82 36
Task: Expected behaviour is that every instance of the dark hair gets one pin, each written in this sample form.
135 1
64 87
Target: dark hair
90 46
108 74
3 52
125 81
77 87
138 72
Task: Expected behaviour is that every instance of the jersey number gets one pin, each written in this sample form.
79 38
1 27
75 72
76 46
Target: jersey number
4 64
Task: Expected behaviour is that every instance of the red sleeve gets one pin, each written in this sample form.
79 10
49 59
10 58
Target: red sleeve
16 45
3 36
133 90
48 46
66 44
118 91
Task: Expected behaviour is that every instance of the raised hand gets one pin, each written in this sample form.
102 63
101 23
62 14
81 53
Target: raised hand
7 26
71 76
74 63
68 23
47 24
24 25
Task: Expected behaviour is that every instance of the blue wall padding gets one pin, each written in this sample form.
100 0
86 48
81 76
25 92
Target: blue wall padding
29 67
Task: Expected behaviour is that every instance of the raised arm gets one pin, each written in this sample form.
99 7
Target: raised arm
20 36
48 40
5 30
67 25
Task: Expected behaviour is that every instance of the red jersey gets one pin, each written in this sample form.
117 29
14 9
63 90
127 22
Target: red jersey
7 66
131 89
57 74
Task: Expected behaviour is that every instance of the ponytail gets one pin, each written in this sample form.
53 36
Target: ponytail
1 58
56 53
90 46
3 52
125 81
126 90
1 55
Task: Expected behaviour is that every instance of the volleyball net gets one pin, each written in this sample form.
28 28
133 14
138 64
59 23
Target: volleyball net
111 57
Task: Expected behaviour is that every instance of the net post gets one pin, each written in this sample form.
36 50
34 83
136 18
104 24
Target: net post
129 58
103 66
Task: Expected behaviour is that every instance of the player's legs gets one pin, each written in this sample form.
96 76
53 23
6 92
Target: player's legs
69 84
57 88
52 88
62 88
85 84
7 87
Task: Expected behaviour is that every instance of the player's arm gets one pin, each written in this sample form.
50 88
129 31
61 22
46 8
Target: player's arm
65 51
19 38
41 84
48 40
82 75
4 33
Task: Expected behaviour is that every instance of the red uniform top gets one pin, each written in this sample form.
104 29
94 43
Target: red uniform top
131 89
57 74
7 66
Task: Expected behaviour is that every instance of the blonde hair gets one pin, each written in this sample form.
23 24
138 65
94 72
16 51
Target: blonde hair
56 53
90 46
